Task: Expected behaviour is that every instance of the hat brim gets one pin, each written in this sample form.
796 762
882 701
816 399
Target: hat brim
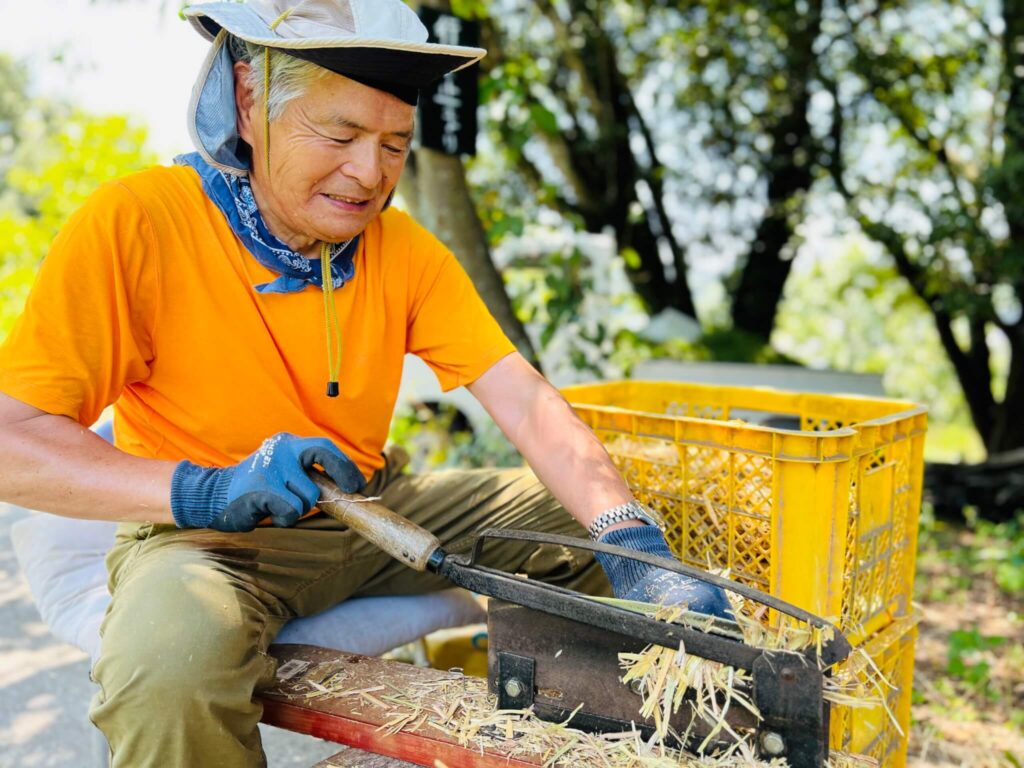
427 62
413 68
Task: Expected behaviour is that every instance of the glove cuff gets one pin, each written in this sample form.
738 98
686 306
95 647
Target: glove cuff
622 572
198 494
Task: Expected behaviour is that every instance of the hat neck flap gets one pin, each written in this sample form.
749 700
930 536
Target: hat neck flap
214 119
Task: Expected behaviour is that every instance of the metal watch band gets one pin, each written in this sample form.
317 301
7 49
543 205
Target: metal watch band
631 510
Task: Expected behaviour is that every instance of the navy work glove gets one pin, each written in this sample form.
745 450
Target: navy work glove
272 481
633 580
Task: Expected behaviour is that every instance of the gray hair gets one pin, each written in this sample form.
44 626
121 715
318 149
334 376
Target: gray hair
290 77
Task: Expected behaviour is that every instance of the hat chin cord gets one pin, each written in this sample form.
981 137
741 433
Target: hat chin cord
267 52
332 327
331 324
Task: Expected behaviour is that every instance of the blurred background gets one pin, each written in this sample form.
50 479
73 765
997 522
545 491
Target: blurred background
688 188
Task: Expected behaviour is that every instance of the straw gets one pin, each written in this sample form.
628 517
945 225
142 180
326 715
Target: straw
461 709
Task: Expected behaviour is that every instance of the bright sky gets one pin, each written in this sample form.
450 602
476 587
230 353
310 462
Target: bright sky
134 57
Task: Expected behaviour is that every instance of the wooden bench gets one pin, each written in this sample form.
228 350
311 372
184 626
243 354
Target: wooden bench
348 720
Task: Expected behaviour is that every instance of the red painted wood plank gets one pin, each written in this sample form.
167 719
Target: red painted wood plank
349 721
410 747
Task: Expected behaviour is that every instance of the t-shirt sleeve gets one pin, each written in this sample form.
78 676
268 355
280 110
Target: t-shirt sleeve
86 329
450 327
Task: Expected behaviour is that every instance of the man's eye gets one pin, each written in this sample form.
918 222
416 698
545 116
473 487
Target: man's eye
394 150
342 141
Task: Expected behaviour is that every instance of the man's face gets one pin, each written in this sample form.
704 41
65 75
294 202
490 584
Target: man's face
336 153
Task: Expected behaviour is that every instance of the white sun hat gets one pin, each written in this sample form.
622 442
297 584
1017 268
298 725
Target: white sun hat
380 43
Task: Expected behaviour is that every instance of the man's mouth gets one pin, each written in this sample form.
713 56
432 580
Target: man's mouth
360 202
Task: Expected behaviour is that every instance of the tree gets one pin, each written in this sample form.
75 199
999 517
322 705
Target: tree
639 117
941 88
435 189
853 312
902 117
567 119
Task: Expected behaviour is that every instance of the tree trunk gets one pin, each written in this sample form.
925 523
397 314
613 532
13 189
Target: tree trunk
601 168
764 276
434 186
621 174
1008 430
1010 177
756 300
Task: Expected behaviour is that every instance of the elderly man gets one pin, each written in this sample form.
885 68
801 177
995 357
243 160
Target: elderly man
210 303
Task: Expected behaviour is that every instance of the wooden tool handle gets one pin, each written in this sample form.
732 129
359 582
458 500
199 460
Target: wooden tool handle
403 540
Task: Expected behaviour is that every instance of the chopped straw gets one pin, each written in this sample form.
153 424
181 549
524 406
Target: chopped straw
461 709
667 679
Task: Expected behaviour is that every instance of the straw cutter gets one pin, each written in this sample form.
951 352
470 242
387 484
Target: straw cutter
556 651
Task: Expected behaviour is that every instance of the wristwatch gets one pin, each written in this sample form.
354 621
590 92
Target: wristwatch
632 510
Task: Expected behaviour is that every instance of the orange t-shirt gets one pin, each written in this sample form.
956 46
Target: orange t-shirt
146 301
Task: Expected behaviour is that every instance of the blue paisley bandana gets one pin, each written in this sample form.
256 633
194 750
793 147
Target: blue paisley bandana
233 196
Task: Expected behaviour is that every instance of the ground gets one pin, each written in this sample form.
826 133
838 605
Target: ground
968 688
969 665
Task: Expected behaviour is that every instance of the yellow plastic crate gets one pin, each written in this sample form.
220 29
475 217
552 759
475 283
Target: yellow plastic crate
820 508
871 731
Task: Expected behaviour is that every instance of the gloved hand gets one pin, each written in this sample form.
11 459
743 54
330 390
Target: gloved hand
633 580
272 481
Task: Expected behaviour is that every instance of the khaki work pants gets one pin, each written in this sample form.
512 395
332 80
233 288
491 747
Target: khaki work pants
193 612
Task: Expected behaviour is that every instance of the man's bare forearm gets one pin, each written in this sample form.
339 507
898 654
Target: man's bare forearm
53 464
568 458
563 452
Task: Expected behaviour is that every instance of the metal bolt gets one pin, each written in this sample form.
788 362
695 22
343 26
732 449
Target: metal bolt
513 688
772 744
635 686
787 675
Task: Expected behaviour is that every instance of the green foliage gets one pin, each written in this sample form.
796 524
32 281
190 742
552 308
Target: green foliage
967 655
572 298
60 156
736 346
469 9
575 301
852 312
499 224
987 551
432 443
970 579
631 349
560 289
13 85
1004 556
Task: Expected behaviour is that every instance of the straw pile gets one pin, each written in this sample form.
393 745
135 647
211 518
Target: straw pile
461 709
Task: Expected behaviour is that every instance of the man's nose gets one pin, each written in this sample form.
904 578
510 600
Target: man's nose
364 164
